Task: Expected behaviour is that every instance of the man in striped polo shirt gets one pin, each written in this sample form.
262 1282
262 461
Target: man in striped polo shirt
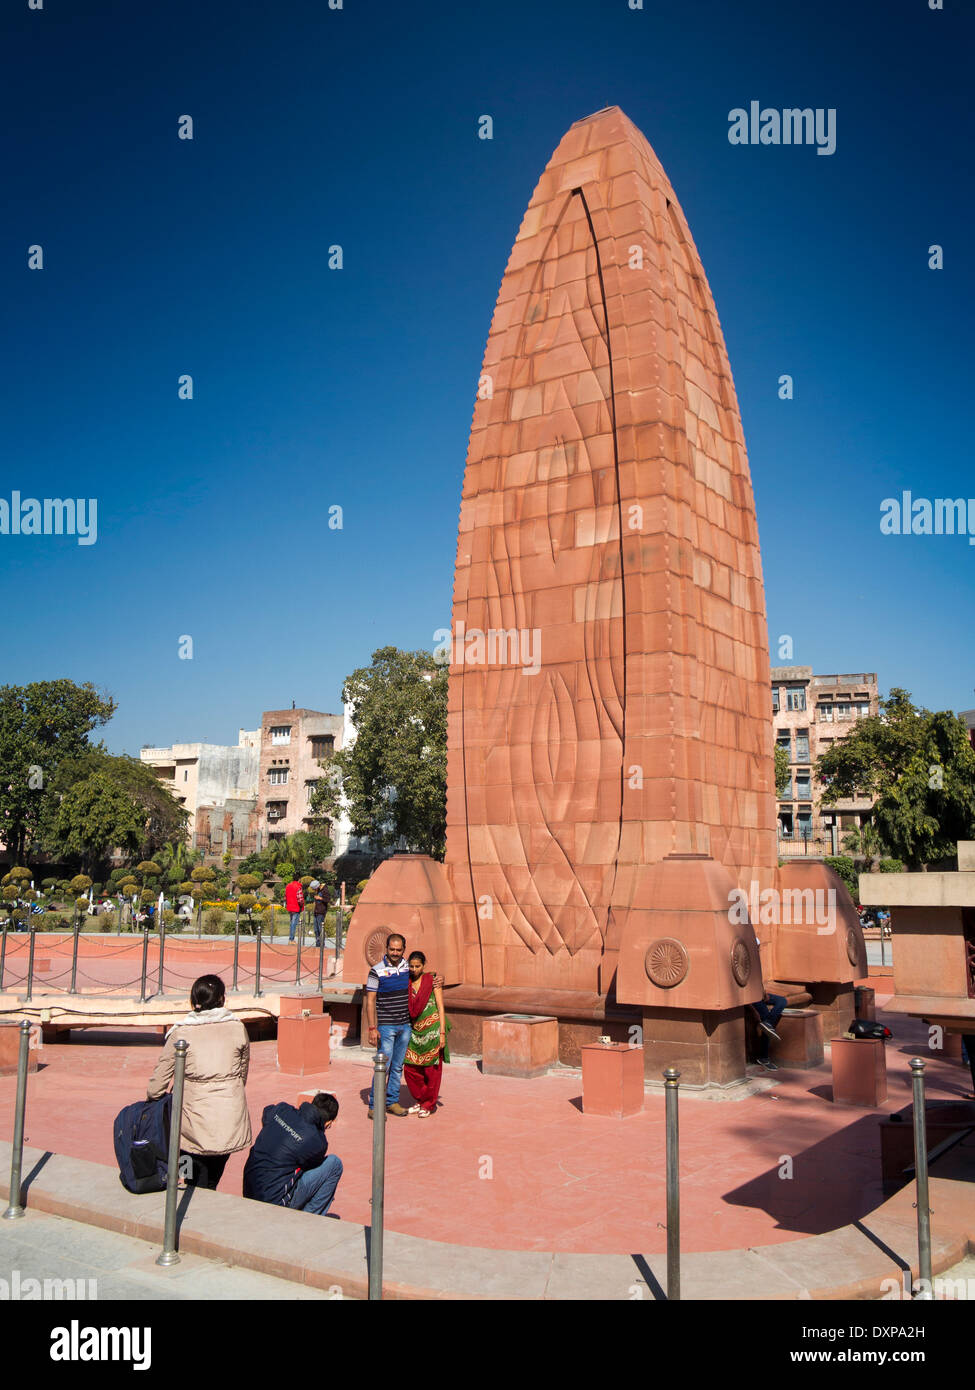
388 1017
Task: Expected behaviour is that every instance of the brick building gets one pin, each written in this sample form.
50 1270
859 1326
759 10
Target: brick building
292 743
810 713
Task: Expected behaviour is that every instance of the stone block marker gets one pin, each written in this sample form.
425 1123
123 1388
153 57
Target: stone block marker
859 1071
612 1079
524 1045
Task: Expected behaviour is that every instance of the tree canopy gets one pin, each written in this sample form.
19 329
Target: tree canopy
42 725
394 776
919 767
93 817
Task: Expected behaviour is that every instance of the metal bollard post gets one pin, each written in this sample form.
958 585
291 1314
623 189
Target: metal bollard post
15 1210
321 953
378 1178
74 959
236 944
257 969
30 962
3 952
921 1179
301 932
145 962
338 934
671 1076
161 988
119 927
169 1255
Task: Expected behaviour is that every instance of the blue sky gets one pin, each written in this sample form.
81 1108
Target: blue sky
354 387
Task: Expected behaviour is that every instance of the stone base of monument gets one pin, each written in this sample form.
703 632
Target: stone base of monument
523 1045
859 1071
583 1017
836 1003
706 1046
801 1034
612 1080
304 1043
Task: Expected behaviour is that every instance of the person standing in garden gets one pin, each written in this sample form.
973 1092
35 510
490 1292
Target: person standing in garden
320 901
294 901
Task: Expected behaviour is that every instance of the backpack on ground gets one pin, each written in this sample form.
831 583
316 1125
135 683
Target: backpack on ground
142 1144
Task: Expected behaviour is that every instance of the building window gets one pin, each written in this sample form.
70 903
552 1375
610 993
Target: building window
864 710
784 740
785 824
775 699
786 793
795 698
186 774
277 810
322 745
310 788
281 733
825 714
804 825
803 784
843 711
278 776
802 745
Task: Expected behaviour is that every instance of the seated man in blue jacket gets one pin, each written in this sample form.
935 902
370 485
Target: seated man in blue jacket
289 1164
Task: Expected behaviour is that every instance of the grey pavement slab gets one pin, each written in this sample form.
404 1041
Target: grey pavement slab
105 1265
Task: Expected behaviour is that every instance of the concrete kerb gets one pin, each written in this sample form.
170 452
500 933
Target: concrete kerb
850 1263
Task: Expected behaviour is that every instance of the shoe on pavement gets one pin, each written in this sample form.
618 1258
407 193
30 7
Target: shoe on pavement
396 1109
770 1065
764 1062
767 1028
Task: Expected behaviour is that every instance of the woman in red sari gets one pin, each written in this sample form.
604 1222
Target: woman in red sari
423 1067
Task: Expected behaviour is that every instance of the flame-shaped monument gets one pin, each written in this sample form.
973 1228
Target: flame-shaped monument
610 791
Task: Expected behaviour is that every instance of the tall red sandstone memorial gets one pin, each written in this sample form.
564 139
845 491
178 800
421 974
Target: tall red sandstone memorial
610 775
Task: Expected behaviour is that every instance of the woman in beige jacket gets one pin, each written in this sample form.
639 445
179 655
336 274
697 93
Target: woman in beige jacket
215 1120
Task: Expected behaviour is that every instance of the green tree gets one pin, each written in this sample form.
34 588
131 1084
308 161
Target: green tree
93 817
866 843
160 816
41 725
394 776
781 769
920 769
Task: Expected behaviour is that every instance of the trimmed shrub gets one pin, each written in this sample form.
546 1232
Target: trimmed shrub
48 883
247 902
80 884
248 882
11 893
214 919
846 868
891 866
148 868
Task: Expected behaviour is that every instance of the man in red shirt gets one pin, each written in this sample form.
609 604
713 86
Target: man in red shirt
294 901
